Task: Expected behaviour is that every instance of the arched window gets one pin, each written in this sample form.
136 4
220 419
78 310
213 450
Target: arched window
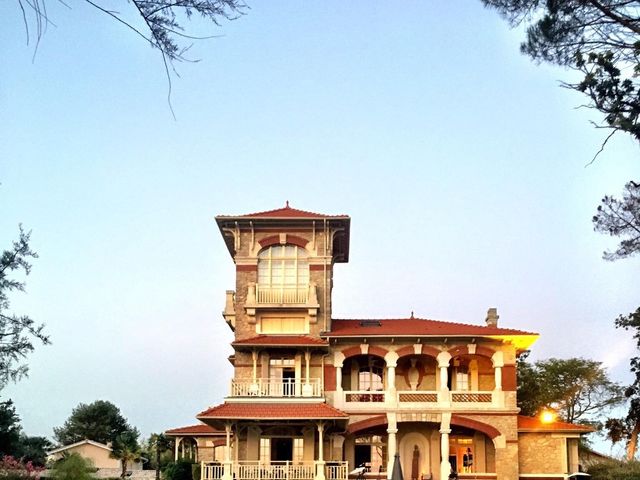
370 375
283 266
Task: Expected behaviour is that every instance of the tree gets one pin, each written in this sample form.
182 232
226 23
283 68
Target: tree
125 448
621 218
158 448
34 449
17 332
9 429
158 22
598 38
100 421
578 389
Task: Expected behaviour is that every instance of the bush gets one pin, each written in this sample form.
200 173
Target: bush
72 467
12 469
180 470
615 470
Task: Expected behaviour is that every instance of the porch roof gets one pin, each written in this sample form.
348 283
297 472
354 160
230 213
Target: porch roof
273 411
199 430
534 424
282 341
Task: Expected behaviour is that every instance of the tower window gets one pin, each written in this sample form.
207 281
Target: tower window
283 266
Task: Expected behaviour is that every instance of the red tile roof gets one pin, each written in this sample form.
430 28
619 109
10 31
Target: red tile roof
413 327
534 424
286 212
282 340
281 411
200 429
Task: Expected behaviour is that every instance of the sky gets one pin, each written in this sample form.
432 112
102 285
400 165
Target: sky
462 164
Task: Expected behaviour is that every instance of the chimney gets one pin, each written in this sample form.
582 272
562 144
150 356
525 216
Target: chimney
492 317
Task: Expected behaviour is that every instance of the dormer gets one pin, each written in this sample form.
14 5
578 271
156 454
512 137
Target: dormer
284 269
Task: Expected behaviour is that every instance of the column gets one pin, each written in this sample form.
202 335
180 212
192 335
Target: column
392 445
307 388
320 463
443 364
445 466
498 378
175 449
498 362
445 430
226 474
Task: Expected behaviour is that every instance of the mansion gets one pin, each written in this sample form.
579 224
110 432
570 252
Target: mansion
315 397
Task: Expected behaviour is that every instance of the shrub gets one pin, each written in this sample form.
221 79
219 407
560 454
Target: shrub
12 469
615 470
72 467
180 470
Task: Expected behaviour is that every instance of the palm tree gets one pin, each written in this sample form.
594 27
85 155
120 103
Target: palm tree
125 448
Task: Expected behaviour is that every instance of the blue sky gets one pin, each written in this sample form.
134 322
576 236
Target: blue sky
461 163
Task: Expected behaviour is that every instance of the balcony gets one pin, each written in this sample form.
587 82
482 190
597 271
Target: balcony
283 296
254 470
365 401
268 387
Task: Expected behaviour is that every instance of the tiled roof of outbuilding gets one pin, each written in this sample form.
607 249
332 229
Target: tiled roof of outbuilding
281 411
534 424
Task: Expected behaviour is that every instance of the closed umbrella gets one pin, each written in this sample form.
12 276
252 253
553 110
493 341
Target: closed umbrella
396 473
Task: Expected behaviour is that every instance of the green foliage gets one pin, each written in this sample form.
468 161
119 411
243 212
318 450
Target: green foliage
158 449
615 470
14 443
621 218
598 38
9 429
180 470
17 332
578 389
72 467
195 471
100 421
125 448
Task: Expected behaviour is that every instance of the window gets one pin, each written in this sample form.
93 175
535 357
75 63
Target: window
370 375
282 375
461 454
298 450
265 450
283 266
279 325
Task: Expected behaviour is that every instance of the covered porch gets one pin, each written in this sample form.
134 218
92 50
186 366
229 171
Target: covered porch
277 441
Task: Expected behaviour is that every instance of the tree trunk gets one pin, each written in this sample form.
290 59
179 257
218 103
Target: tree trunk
632 445
124 468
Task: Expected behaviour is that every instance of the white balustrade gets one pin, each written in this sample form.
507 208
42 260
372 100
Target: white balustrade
269 387
282 294
254 470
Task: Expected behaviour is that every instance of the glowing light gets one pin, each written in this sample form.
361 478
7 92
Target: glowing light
548 416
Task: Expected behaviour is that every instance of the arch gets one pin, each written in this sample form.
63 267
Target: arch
356 350
488 430
464 350
290 239
376 421
410 350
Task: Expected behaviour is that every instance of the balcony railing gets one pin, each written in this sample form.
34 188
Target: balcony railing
422 399
282 294
268 387
254 470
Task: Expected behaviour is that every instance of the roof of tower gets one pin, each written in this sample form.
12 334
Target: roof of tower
288 218
286 212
